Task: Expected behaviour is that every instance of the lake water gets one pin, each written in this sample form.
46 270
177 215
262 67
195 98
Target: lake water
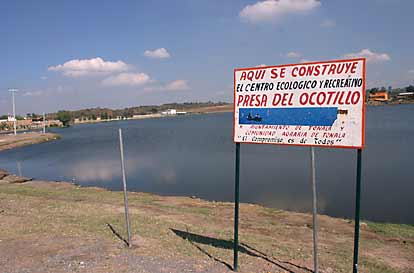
194 156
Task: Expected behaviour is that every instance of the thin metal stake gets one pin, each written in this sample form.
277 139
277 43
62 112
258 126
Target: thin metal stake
357 210
236 209
314 211
121 146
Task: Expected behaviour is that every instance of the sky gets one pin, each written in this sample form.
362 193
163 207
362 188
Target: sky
73 54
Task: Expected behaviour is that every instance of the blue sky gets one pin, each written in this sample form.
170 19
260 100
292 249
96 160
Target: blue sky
76 54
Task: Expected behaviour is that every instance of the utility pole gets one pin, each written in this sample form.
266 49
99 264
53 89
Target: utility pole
44 123
13 90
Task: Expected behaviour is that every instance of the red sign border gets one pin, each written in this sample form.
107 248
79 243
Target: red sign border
307 63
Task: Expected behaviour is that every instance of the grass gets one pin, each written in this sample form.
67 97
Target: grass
375 266
392 230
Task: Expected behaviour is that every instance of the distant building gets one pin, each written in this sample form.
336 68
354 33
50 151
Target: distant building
170 112
406 95
10 118
28 123
382 96
54 123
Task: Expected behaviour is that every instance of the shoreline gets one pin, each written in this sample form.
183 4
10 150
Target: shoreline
10 141
17 179
175 229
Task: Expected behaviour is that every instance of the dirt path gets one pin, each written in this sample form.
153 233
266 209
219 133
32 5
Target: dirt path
60 227
21 139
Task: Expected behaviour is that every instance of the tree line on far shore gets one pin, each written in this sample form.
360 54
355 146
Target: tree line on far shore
393 91
66 117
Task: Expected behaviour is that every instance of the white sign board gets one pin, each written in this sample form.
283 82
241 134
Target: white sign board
308 104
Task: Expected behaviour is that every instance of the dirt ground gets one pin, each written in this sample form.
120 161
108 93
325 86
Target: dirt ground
60 227
9 141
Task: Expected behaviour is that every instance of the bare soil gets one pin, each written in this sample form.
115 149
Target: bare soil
60 227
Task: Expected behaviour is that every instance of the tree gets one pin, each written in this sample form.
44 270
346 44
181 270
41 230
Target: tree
410 88
65 117
372 90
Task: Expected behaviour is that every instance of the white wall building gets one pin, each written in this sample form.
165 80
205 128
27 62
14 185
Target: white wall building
10 118
170 112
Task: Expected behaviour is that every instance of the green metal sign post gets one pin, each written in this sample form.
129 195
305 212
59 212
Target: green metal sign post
236 209
357 210
314 211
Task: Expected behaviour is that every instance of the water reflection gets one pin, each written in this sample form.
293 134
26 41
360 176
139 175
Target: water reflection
19 168
98 170
94 170
168 176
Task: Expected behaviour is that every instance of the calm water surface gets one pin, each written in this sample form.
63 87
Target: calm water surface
194 155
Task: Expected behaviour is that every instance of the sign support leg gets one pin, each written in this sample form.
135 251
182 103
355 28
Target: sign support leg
314 210
236 209
121 147
357 211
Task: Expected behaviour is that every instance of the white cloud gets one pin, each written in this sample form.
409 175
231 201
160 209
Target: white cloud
61 89
411 71
370 56
261 65
293 54
304 60
88 67
129 79
33 93
270 10
328 23
43 78
177 85
160 53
